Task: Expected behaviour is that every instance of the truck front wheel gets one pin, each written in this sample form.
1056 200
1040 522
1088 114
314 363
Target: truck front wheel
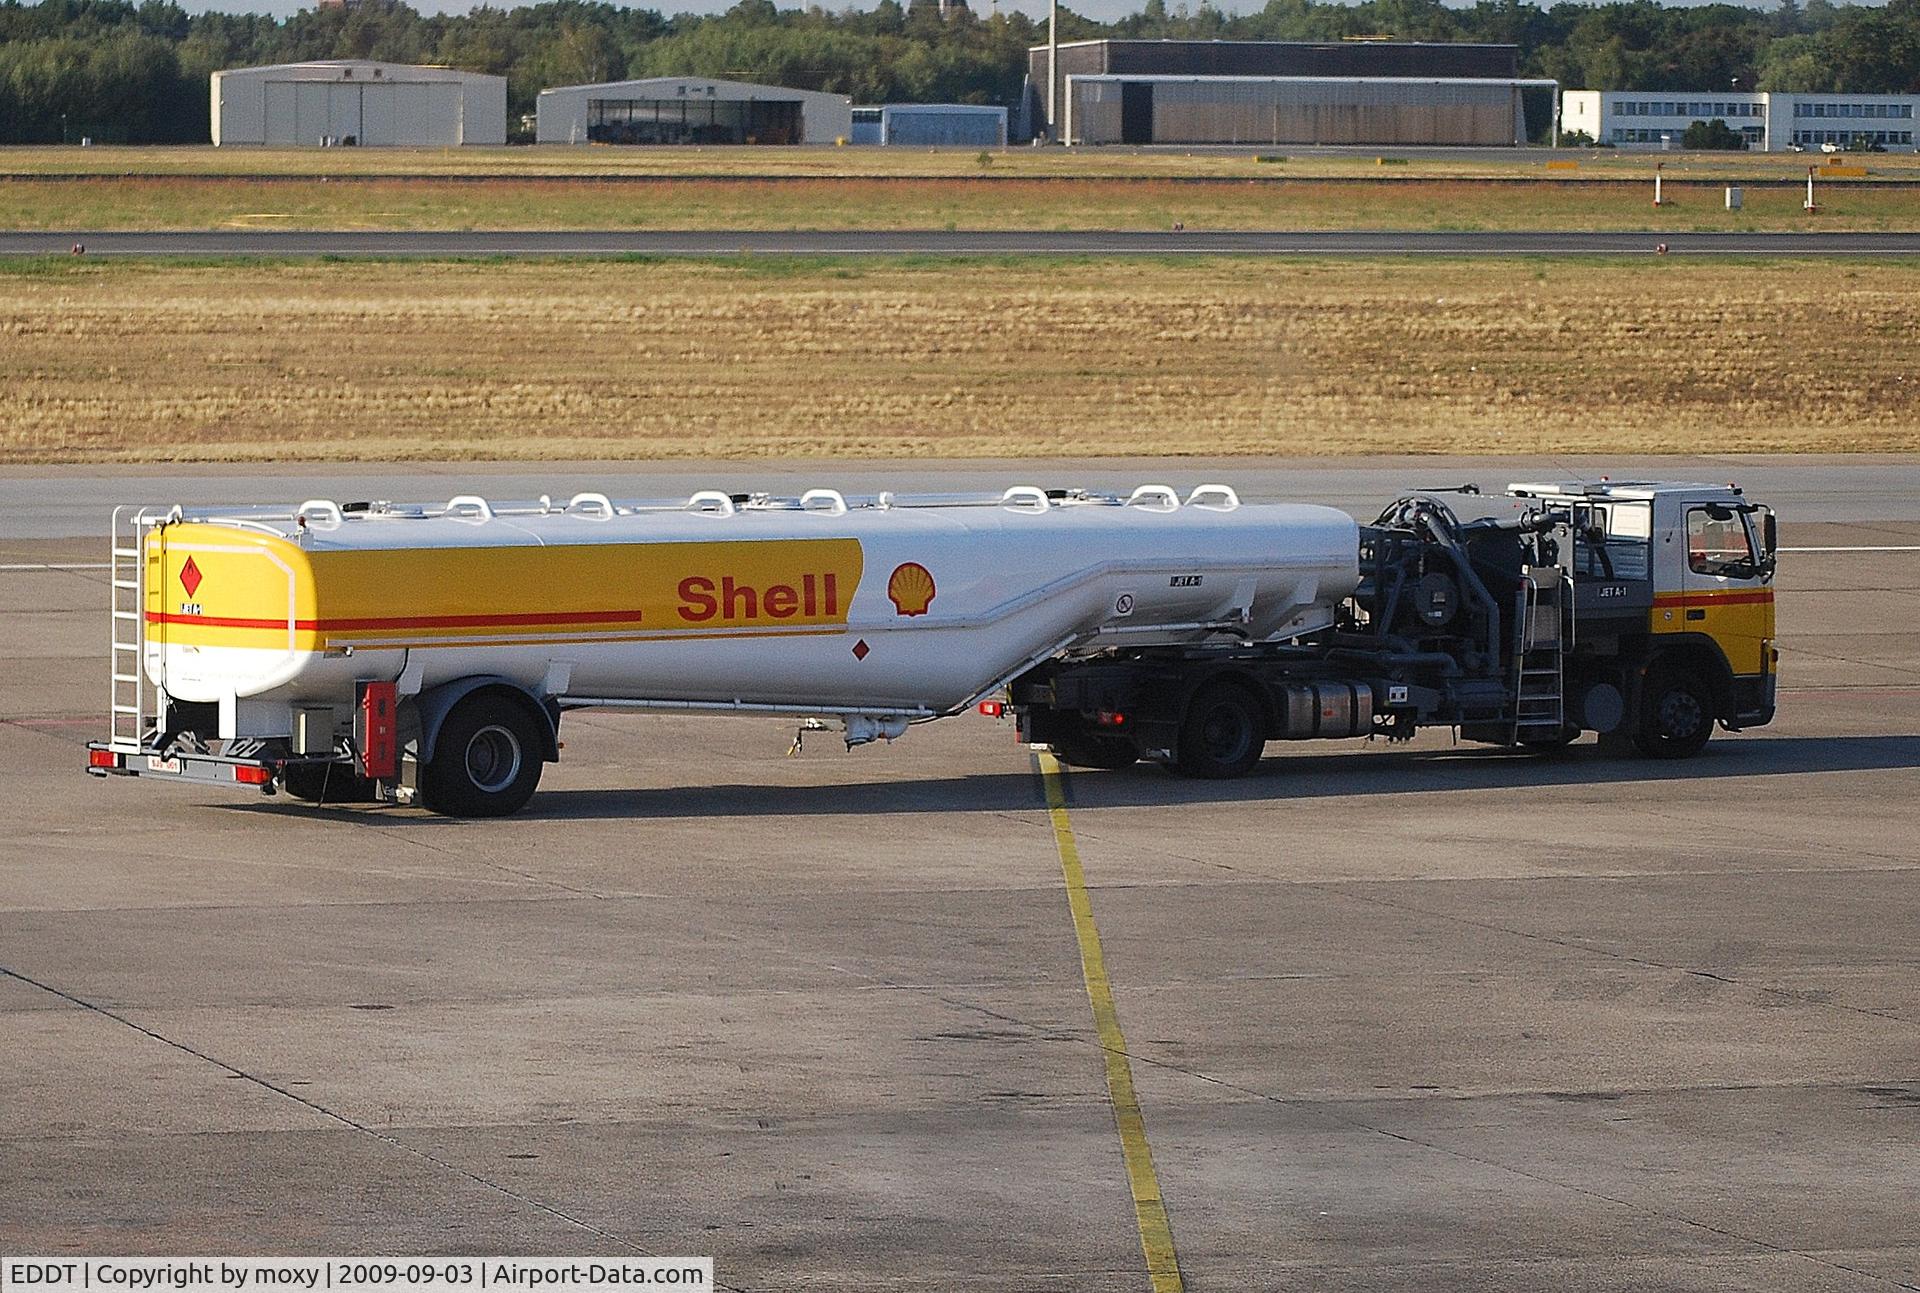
486 760
1676 715
1223 733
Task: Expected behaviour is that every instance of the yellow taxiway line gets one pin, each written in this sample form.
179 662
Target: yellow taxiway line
1150 1211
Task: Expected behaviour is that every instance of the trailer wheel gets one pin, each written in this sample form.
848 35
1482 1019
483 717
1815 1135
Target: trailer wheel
1676 716
1223 733
486 760
1089 750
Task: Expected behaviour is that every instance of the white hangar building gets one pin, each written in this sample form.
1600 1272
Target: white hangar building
690 110
353 101
1769 122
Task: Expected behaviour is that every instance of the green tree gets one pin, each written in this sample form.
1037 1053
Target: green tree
1796 64
1712 136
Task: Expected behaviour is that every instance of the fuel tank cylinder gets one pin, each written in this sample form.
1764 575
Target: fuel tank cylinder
889 604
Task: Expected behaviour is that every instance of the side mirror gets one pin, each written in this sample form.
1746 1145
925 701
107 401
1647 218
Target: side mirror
1769 533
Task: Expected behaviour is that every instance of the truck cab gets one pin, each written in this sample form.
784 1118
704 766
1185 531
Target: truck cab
1639 611
1672 616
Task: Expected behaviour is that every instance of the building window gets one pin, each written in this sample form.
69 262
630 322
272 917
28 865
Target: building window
693 121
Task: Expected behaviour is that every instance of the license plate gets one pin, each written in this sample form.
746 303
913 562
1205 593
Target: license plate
157 764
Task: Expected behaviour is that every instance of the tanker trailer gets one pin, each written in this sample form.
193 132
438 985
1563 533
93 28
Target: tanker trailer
427 653
1640 611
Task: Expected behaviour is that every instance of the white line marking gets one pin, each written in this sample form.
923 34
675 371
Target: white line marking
56 565
1909 547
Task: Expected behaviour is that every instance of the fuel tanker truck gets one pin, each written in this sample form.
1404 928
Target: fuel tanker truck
428 653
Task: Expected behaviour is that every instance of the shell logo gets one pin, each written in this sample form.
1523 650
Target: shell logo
910 588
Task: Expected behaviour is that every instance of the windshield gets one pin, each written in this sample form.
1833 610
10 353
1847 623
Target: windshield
1611 540
1718 543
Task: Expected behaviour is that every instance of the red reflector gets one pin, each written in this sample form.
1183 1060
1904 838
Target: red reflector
376 731
992 708
248 775
102 759
1107 718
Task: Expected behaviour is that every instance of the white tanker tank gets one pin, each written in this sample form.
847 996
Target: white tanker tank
269 636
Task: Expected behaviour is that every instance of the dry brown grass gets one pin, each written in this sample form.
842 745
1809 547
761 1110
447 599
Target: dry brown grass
607 360
830 162
869 203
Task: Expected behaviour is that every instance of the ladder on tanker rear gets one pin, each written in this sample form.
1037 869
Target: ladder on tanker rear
1542 628
136 703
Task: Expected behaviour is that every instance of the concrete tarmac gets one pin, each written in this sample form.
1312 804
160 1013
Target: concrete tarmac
1410 1018
77 501
938 242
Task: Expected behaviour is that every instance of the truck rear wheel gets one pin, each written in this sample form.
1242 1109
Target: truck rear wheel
1223 733
1676 716
486 761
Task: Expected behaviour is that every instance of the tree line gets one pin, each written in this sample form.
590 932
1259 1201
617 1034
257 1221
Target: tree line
121 72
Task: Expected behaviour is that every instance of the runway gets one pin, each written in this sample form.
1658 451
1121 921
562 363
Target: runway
927 242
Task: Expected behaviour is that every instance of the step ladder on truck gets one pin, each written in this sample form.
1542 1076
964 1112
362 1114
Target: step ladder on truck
1543 628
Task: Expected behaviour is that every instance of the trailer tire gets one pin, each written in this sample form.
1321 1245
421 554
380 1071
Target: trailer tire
1223 733
1090 750
486 760
1676 715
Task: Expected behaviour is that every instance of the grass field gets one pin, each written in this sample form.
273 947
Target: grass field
878 188
868 203
831 162
769 357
